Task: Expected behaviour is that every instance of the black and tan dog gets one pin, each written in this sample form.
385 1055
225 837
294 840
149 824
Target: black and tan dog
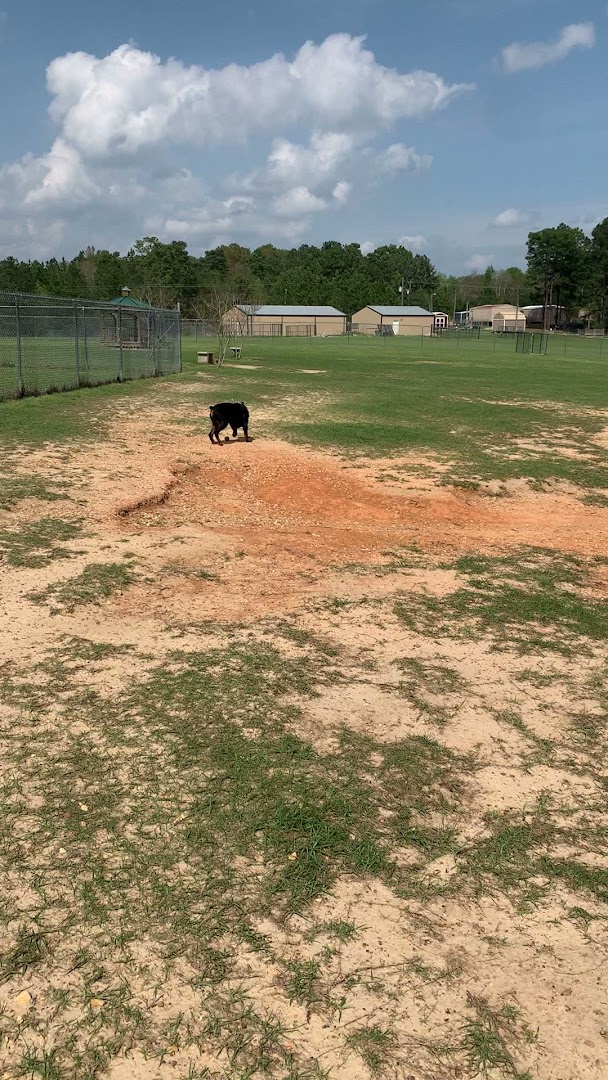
234 414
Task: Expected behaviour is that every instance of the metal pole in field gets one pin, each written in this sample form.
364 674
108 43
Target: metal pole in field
84 337
152 339
19 358
179 335
121 370
77 343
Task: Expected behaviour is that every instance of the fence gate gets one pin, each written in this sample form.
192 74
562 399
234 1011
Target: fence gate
527 342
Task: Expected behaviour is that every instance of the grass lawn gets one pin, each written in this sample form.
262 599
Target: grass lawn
301 740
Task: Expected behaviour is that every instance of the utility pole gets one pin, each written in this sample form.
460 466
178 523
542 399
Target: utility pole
403 290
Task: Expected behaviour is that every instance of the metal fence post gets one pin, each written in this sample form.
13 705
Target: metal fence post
152 334
20 385
77 343
121 370
179 336
84 338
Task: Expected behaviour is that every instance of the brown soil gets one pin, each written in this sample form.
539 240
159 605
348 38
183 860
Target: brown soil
277 530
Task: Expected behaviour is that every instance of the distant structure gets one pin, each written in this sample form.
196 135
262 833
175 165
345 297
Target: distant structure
557 317
501 318
441 320
286 320
388 321
127 327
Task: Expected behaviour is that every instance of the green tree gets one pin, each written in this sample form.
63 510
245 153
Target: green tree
598 267
558 262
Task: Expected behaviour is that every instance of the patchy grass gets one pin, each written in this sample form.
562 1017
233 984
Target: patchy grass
97 582
14 489
375 1045
526 602
185 862
38 543
428 684
488 1037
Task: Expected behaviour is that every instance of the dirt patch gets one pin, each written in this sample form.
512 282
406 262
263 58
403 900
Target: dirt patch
271 518
250 534
601 439
270 487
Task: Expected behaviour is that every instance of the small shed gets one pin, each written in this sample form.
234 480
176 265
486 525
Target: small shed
126 327
501 318
389 321
440 320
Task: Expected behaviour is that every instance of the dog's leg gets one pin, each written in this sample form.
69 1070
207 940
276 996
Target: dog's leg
246 432
219 427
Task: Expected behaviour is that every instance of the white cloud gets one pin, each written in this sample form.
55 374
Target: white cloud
297 201
130 99
121 120
508 219
341 192
399 157
524 56
414 243
291 164
367 247
476 264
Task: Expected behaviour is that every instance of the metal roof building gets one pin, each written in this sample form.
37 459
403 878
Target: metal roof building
397 312
281 310
286 320
387 320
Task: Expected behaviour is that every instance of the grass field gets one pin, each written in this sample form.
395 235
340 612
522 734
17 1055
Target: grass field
302 740
55 363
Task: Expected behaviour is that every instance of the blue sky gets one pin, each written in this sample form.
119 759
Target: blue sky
457 124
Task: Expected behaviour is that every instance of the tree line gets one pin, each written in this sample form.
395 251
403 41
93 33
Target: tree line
565 267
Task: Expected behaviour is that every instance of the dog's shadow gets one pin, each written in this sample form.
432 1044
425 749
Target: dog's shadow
229 441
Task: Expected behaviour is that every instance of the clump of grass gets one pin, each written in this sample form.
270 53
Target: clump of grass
97 582
596 498
375 1045
431 842
341 930
38 543
13 489
81 649
29 949
518 602
589 728
509 716
486 1039
577 876
191 571
302 981
539 679
425 678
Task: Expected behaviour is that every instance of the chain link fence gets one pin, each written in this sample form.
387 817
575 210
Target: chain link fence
51 343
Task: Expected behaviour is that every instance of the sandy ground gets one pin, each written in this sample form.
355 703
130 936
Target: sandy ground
278 531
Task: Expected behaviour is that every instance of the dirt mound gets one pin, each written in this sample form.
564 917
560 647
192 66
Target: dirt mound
276 496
